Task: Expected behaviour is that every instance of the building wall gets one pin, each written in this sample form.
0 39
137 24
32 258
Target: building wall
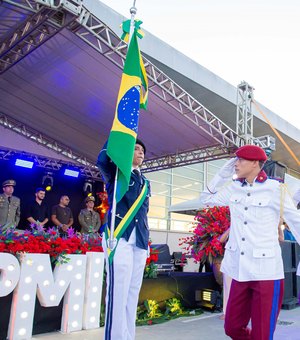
173 186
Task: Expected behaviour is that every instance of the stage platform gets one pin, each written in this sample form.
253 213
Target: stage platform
177 284
165 286
206 327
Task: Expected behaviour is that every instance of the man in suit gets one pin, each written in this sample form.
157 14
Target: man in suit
253 254
9 206
125 273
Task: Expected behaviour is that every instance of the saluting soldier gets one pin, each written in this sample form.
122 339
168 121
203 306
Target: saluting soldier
88 218
253 255
9 206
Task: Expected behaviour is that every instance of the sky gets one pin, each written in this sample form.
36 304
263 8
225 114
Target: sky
257 41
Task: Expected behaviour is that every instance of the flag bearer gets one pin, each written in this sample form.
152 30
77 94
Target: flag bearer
125 270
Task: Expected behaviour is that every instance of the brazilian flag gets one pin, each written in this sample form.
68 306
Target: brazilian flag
131 98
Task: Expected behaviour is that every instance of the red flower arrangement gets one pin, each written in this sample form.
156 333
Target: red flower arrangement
153 257
49 242
151 267
104 206
204 244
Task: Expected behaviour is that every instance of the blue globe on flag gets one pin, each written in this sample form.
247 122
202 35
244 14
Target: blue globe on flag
129 109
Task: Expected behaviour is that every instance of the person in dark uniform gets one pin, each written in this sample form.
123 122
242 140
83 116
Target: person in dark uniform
9 207
38 212
89 219
62 215
125 273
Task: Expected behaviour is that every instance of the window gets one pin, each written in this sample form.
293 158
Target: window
174 186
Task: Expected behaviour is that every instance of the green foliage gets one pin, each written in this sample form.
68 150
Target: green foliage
151 312
151 271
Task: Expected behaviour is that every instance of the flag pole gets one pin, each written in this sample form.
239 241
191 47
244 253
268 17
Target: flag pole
112 241
133 11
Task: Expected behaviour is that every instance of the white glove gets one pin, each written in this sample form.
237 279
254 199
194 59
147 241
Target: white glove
224 175
227 170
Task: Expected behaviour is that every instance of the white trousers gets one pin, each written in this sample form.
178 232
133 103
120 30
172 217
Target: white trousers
124 280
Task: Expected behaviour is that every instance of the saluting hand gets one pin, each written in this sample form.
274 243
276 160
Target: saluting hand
227 170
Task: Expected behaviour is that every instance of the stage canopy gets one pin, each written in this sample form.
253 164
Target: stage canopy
60 66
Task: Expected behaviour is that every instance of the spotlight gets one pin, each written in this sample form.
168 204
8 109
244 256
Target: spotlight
71 173
47 181
208 298
24 163
88 188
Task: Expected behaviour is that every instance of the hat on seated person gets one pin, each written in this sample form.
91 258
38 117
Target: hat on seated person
251 153
9 182
90 198
139 142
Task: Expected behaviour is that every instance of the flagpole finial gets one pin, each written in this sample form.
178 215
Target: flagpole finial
133 10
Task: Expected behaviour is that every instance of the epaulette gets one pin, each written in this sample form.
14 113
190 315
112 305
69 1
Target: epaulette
261 177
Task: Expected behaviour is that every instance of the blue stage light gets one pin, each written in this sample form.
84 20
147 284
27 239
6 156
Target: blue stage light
23 163
72 173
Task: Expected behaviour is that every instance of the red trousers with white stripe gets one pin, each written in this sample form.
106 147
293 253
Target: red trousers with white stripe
258 301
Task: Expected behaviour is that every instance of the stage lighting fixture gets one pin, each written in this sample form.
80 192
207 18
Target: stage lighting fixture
24 163
208 298
71 173
47 181
88 188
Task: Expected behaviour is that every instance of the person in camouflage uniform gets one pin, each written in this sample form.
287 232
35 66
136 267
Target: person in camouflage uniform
9 206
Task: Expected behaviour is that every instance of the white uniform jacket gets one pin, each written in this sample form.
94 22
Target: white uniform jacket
253 251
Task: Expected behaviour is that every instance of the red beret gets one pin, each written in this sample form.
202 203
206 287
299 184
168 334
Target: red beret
251 153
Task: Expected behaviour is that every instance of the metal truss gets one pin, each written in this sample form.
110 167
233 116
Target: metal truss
88 167
244 123
186 158
94 32
49 163
45 21
244 116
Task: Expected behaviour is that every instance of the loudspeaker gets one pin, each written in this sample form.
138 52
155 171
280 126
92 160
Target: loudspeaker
290 299
290 256
274 169
164 255
287 255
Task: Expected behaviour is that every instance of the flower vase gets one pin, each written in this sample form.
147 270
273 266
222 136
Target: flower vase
216 267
